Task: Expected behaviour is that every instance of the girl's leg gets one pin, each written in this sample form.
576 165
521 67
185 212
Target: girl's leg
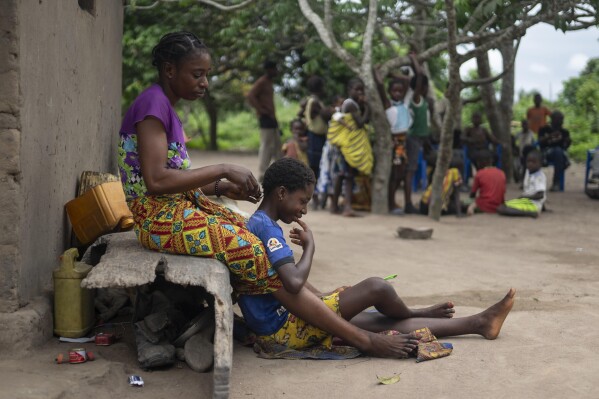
310 308
379 293
508 211
487 323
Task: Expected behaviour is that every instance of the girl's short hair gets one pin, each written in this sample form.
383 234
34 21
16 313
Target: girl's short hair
289 173
174 47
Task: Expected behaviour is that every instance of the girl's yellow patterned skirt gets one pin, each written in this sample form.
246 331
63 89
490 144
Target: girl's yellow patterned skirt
298 334
190 224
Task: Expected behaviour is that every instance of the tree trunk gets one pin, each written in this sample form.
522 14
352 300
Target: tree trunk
499 126
382 154
453 94
506 104
212 111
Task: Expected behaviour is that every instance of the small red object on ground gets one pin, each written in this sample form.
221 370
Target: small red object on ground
104 339
77 355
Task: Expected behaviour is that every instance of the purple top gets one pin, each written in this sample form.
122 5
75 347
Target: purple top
151 102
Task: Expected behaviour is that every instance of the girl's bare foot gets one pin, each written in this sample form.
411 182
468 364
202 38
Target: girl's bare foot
491 320
391 346
439 310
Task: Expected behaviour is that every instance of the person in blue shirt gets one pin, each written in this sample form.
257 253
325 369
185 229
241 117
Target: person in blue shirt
310 317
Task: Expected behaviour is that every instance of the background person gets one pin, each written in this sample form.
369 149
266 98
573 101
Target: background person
261 98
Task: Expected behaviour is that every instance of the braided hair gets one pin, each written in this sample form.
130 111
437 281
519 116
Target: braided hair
174 47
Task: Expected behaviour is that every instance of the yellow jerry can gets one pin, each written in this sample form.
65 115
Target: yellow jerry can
73 305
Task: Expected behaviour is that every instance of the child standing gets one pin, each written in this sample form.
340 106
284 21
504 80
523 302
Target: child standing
533 195
288 187
397 109
297 145
537 115
419 134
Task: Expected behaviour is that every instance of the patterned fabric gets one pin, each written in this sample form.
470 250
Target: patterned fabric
400 154
353 142
451 180
273 350
130 170
428 346
193 225
298 334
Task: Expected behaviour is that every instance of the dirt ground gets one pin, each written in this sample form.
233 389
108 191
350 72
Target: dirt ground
546 348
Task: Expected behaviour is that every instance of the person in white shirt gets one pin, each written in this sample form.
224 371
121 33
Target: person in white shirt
534 192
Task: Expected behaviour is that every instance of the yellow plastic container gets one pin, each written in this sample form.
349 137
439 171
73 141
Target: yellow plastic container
100 210
73 305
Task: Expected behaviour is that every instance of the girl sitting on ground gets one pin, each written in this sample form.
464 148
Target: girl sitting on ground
288 187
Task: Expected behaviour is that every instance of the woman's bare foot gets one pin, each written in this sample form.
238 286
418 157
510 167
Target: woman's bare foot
491 320
439 310
391 346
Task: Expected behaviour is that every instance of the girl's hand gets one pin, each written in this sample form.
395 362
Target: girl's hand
246 184
303 236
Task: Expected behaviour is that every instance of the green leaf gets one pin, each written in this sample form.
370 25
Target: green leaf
388 380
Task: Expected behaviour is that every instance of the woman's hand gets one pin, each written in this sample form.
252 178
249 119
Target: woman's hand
303 236
232 190
246 185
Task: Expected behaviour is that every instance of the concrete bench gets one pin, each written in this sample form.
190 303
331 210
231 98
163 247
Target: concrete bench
125 263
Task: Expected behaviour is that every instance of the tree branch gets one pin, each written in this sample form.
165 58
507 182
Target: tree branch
368 34
211 3
327 37
491 79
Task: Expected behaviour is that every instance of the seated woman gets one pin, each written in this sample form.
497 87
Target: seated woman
450 194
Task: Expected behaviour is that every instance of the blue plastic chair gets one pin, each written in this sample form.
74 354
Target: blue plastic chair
587 172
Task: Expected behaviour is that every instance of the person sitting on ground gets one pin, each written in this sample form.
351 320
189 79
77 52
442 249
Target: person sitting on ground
530 203
489 183
477 138
554 140
297 145
537 115
288 186
450 194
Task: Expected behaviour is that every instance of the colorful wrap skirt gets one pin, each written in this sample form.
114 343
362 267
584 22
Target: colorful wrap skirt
191 224
353 142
